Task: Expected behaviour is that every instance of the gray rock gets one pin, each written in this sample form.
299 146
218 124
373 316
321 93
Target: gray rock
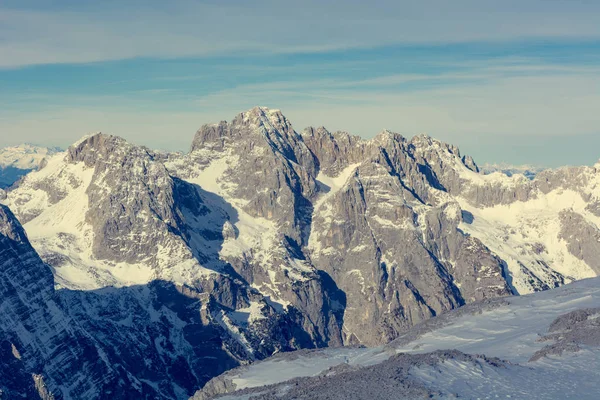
583 238
571 331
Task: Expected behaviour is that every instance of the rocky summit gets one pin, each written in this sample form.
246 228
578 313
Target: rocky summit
144 274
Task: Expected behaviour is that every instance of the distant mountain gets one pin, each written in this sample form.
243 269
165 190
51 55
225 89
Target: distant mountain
262 240
529 171
17 161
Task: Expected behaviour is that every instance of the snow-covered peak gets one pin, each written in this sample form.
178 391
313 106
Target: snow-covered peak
97 139
261 110
426 142
25 156
266 118
387 136
319 132
84 138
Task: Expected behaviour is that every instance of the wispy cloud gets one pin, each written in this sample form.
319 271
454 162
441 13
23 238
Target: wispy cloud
476 114
99 31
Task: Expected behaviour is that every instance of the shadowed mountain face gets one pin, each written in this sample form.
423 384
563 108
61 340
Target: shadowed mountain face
171 268
145 341
10 175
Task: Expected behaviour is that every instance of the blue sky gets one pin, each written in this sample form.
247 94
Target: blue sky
511 81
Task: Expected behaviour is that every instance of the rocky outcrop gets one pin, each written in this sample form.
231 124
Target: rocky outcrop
282 178
569 332
582 237
333 151
70 344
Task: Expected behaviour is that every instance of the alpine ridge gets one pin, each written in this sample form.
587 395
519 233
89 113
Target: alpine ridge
168 269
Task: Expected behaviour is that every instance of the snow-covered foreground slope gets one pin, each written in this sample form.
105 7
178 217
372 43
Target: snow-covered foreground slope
540 346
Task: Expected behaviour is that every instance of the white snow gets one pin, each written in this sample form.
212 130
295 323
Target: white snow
554 378
495 178
248 314
513 231
61 228
330 185
509 332
278 369
334 183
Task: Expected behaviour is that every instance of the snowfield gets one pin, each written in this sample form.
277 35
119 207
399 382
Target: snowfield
508 331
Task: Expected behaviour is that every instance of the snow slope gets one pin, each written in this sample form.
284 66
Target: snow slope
510 329
528 233
59 227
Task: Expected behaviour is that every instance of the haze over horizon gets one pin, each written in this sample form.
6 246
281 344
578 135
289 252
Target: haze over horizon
515 82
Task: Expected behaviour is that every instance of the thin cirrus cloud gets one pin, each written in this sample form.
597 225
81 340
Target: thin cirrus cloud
485 75
77 32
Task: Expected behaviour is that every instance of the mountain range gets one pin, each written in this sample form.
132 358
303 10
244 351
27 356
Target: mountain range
129 272
17 161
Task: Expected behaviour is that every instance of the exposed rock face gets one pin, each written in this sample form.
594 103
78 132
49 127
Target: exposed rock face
333 151
276 195
34 328
130 196
262 240
582 237
401 258
283 169
26 293
378 252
